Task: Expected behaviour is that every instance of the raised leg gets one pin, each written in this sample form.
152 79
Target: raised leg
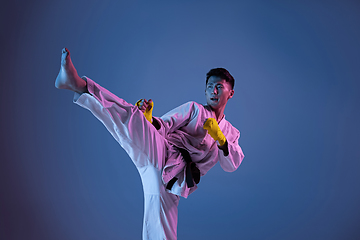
139 138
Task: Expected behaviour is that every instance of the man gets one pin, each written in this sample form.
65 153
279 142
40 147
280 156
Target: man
171 152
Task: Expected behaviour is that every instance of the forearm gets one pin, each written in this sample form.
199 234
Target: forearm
234 158
156 123
225 148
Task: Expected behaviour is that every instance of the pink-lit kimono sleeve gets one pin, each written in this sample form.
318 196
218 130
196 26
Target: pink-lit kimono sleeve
235 155
176 118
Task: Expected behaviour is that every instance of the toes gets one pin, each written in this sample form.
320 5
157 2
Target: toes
65 55
65 51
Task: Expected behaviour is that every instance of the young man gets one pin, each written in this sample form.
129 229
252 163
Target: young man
171 152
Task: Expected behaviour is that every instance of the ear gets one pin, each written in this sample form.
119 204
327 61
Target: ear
231 94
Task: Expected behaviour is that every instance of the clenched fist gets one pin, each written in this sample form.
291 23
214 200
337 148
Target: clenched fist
146 107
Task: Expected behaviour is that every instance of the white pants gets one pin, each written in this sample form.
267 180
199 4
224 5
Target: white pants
146 148
160 214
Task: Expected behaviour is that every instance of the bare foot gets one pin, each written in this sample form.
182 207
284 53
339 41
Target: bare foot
68 77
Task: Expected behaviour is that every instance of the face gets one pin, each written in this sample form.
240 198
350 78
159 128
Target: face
218 92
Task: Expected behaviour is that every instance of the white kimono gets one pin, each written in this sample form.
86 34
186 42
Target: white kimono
154 151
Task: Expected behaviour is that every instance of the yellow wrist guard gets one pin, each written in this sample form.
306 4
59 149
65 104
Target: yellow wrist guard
148 112
213 129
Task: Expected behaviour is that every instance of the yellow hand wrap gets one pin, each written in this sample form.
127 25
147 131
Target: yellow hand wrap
213 129
148 112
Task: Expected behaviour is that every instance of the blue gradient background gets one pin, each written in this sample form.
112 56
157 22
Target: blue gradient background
296 103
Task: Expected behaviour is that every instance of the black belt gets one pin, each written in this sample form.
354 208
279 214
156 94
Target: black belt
192 172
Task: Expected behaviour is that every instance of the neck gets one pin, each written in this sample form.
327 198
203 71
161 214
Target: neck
219 113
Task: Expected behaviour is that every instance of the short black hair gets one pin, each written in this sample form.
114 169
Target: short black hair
221 73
